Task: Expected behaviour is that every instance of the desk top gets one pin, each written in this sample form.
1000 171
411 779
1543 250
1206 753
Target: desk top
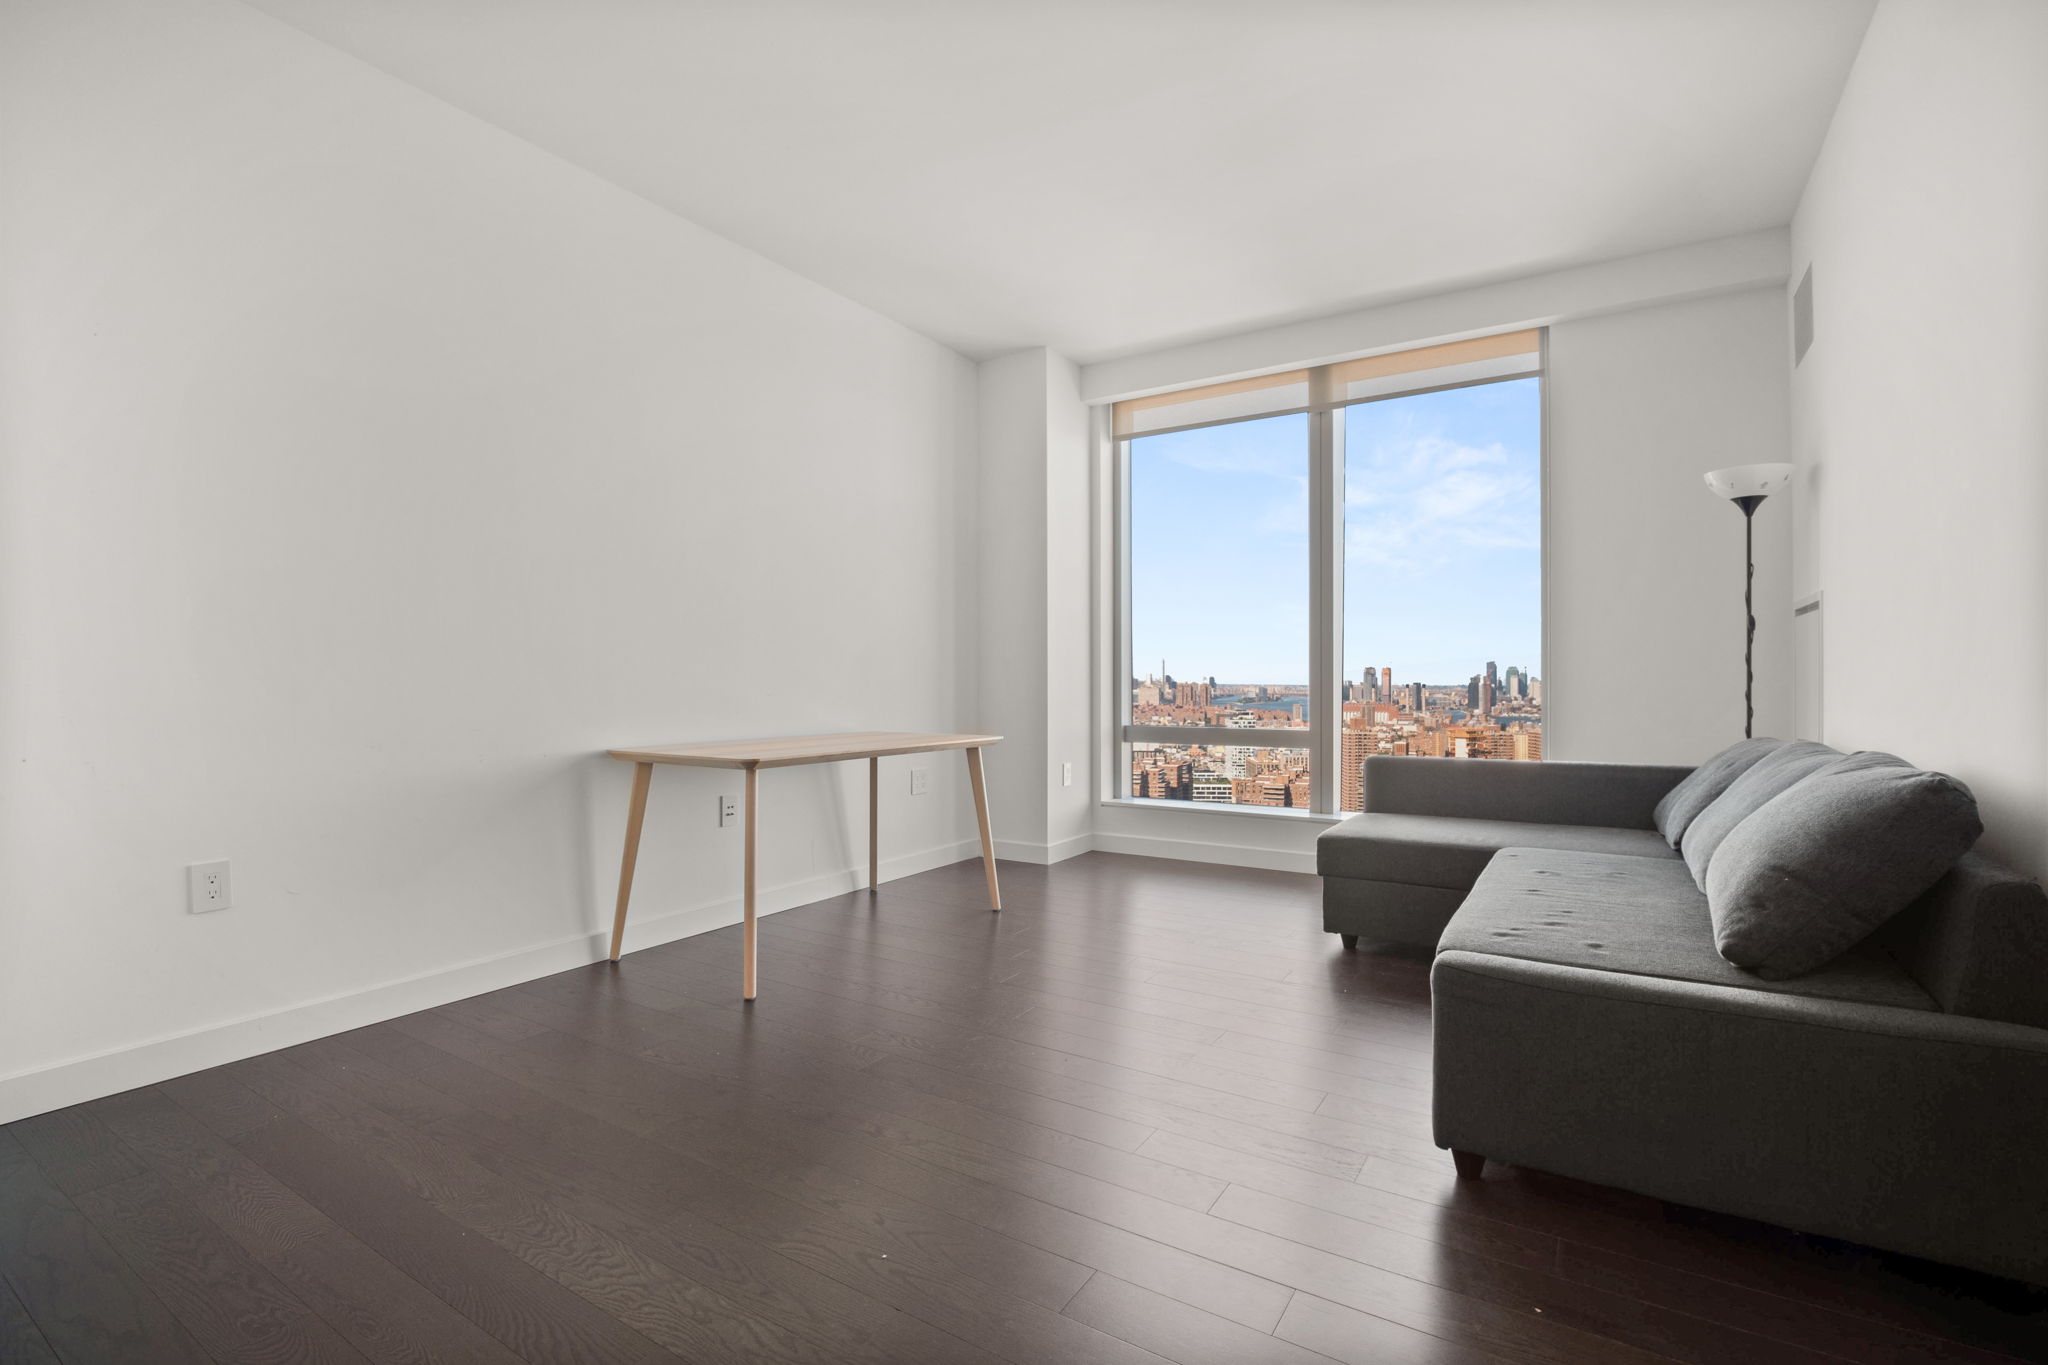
795 749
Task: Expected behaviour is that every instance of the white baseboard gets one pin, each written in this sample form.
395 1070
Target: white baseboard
1058 851
109 1073
1206 851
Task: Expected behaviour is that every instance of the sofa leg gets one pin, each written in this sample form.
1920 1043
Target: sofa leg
1469 1164
1350 942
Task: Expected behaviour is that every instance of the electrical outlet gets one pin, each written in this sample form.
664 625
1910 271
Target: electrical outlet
728 811
920 781
206 887
1066 774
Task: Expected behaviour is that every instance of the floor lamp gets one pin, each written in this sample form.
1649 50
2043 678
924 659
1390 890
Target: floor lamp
1747 485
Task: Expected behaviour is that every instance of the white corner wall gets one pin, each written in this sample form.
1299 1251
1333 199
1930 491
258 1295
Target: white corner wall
364 473
1921 415
1644 630
1035 524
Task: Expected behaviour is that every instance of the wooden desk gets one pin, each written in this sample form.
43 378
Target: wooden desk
752 755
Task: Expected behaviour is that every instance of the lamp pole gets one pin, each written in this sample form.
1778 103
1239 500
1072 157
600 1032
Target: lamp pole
1749 505
1747 486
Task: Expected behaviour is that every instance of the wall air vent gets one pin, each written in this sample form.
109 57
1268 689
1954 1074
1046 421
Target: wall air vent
1802 317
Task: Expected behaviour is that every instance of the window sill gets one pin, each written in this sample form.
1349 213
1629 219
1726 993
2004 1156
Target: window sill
1219 808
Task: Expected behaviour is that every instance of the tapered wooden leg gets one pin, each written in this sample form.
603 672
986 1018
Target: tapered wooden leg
1470 1164
874 823
988 843
1350 942
636 812
747 903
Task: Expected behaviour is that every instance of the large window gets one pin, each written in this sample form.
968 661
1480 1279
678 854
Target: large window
1341 561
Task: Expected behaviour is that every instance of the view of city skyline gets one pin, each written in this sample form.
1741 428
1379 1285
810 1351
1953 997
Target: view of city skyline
1441 629
1442 540
1497 714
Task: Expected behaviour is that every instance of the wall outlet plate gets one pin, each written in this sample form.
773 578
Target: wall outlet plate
1066 774
206 887
920 781
728 811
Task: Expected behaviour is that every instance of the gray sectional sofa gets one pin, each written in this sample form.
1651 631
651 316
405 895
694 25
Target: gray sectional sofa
1587 1024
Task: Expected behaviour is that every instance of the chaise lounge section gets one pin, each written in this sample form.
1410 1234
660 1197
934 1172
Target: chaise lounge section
1896 1097
1396 873
1587 1023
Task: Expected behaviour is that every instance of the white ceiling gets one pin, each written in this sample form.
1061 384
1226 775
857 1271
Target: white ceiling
1107 176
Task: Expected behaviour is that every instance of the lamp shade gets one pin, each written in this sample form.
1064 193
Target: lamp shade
1749 480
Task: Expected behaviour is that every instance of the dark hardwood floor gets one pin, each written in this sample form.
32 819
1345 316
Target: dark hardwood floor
1149 1112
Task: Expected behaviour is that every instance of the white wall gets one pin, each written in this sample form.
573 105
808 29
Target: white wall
365 472
1701 269
1071 680
1920 414
1035 531
1011 532
1643 650
1644 631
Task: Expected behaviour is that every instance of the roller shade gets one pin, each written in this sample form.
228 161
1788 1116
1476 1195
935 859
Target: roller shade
1430 367
1260 397
1502 356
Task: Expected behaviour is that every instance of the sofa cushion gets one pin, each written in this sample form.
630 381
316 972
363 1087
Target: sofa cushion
1613 795
1444 850
1637 915
1978 941
1818 868
1683 803
1771 774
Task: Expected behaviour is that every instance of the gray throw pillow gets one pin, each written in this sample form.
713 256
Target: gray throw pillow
1765 778
1816 869
1683 803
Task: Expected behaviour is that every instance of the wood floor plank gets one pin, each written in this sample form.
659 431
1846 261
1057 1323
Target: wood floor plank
1122 1092
630 1192
882 1107
882 1156
1179 1331
656 1300
234 1307
1815 1326
1149 1114
517 1305
1733 1250
248 1203
1331 1329
617 1088
1018 1330
76 1150
1079 1238
21 1341
85 1301
380 1310
1505 1288
834 1227
1414 1218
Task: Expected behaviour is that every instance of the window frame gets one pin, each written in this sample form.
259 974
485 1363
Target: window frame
1323 736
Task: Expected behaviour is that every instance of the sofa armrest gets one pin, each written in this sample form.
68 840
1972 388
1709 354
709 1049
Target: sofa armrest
1907 1129
1619 795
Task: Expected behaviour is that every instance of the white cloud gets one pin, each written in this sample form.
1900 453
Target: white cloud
1416 503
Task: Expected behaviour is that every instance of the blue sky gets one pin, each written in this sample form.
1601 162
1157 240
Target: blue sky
1442 533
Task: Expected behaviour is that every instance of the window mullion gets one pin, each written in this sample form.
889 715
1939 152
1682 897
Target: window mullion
1326 607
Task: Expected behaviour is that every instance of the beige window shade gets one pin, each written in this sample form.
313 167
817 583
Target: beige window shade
1429 367
1348 381
1239 398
